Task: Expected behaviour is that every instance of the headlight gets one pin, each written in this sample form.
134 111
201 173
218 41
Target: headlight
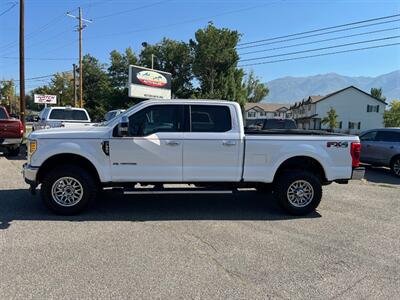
32 147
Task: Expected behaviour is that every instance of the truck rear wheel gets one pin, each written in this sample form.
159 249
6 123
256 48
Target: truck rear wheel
67 190
298 192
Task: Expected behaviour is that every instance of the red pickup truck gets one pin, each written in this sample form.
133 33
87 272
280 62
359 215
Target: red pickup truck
11 133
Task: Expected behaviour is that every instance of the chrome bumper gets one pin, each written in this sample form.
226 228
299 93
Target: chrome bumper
10 141
29 174
358 174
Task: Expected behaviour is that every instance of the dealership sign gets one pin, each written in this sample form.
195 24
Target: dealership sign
45 99
149 84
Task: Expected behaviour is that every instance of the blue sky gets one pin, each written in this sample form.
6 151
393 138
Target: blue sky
118 24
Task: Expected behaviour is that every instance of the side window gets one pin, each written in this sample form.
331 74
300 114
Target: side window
210 118
370 136
156 118
388 136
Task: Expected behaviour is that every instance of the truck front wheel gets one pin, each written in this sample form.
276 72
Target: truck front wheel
298 192
67 190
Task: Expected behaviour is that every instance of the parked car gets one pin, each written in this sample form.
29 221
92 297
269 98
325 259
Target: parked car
271 123
11 133
52 117
113 113
187 141
381 147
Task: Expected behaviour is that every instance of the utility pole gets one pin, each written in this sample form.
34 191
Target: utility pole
22 60
152 61
75 94
81 26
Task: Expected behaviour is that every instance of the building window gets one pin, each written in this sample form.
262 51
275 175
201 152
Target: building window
354 125
340 125
372 108
263 114
251 114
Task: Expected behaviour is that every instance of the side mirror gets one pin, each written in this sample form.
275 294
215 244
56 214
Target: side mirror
36 119
123 126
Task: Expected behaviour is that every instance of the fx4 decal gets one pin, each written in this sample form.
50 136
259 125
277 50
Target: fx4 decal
337 144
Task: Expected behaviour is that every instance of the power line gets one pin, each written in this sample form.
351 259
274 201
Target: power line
320 29
14 4
323 48
179 23
130 10
318 55
37 58
320 41
318 34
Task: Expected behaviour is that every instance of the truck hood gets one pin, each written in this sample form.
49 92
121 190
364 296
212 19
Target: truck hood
86 132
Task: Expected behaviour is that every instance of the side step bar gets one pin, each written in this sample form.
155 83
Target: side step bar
175 191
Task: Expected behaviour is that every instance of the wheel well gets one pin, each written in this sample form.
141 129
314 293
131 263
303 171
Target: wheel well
70 159
304 163
393 158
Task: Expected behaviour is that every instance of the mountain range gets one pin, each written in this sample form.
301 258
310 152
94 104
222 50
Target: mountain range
291 89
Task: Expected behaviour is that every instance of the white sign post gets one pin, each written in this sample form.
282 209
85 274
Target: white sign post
45 99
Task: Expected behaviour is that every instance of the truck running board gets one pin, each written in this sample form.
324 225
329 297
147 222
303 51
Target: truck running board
175 191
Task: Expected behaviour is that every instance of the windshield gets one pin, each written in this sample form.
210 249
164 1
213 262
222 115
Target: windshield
106 123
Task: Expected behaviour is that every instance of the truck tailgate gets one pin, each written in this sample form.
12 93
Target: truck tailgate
10 129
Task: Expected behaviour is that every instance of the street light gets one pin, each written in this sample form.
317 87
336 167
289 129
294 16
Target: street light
145 45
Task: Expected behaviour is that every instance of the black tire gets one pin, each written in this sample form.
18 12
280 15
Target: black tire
83 177
285 180
13 151
394 165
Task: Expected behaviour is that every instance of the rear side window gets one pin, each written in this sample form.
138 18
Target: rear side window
370 136
2 114
388 136
68 114
210 118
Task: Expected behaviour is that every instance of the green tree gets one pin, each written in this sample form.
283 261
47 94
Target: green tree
118 73
61 85
256 91
215 64
174 57
119 67
330 119
96 87
7 92
391 117
377 93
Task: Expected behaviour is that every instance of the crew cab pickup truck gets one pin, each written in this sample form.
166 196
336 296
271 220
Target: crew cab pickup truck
11 133
52 117
199 142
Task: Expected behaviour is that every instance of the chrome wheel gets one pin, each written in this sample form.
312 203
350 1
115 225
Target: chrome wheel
300 193
396 167
67 191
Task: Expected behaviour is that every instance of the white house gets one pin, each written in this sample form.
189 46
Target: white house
356 110
266 111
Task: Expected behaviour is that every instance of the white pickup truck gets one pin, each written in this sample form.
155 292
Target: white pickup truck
199 142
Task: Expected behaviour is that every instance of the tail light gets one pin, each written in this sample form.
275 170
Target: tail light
355 154
21 128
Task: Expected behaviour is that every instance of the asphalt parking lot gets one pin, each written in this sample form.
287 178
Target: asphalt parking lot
202 247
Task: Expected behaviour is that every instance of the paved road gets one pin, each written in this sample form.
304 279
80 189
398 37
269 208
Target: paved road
201 247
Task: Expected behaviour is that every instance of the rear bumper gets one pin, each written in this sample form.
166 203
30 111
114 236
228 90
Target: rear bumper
29 173
10 141
358 173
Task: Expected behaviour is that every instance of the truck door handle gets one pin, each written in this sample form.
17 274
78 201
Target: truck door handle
228 143
172 143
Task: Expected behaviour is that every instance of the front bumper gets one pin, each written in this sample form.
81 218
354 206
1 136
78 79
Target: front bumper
30 174
358 173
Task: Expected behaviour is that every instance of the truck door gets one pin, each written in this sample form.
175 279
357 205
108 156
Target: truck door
152 151
212 145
